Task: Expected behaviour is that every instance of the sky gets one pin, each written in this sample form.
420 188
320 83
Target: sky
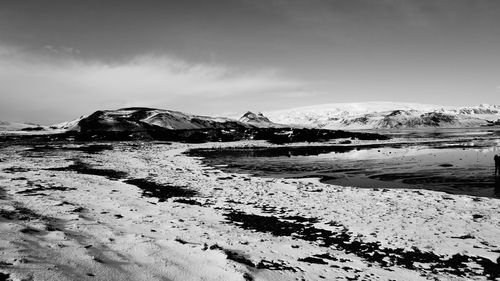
60 59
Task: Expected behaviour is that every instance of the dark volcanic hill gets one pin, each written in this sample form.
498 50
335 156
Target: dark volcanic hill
139 119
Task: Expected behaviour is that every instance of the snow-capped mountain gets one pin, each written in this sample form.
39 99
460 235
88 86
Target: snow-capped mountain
69 125
258 120
140 119
382 115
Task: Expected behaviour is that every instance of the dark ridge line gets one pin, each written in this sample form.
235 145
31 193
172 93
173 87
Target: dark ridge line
88 148
92 130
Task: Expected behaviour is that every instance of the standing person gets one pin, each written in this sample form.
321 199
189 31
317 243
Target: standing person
497 164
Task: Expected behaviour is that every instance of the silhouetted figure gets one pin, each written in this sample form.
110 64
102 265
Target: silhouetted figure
497 164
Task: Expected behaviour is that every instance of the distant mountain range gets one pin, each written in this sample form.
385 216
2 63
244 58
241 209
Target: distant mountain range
11 126
158 124
338 116
386 115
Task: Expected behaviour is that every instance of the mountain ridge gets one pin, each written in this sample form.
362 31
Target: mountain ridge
386 115
334 116
139 123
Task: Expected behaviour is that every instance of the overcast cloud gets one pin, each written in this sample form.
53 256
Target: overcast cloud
64 58
65 85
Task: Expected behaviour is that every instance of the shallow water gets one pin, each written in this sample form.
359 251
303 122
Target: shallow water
454 161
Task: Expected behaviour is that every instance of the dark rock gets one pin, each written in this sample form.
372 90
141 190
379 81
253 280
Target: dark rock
4 276
312 260
29 230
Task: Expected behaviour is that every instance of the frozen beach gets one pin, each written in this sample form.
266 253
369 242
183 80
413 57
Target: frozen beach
146 211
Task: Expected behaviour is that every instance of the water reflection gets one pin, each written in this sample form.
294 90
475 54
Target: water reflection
451 162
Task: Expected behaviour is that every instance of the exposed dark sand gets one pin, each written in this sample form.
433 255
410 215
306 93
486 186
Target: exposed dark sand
160 191
149 187
302 228
83 168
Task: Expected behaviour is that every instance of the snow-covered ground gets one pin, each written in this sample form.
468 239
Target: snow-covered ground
94 213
